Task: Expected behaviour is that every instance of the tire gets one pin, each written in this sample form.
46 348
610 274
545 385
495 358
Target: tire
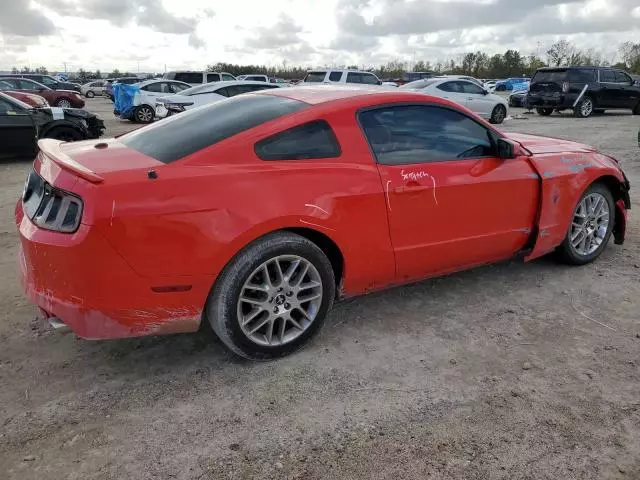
225 304
572 254
501 88
636 111
66 134
143 114
90 94
584 108
545 112
63 103
498 115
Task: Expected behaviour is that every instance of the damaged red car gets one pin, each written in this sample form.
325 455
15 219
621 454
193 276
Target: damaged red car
256 213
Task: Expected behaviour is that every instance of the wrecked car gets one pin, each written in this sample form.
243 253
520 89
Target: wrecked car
21 125
255 213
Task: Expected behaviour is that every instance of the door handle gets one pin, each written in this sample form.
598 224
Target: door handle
410 188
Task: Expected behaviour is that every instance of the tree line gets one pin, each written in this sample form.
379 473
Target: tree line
479 64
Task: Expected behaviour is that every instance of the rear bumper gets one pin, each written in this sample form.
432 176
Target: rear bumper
560 101
82 281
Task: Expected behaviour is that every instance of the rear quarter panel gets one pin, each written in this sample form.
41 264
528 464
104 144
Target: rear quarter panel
203 209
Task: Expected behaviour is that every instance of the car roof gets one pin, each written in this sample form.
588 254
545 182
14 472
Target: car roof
318 70
156 80
318 94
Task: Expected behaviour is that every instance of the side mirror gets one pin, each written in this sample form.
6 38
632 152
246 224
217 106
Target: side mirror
506 148
485 92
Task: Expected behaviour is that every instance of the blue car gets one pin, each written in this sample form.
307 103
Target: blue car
509 83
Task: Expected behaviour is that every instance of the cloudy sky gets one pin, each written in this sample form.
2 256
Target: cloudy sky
152 34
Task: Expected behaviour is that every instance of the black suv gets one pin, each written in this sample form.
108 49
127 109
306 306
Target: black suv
584 90
47 80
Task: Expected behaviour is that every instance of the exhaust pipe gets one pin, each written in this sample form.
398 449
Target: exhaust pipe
58 325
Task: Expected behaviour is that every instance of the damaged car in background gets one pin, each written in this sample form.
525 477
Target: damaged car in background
21 125
169 214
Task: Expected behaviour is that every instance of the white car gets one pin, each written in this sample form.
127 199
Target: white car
205 94
255 77
464 92
144 101
341 76
92 89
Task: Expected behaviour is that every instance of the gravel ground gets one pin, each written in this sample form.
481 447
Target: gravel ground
505 372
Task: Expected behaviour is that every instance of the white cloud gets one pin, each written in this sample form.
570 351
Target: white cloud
149 34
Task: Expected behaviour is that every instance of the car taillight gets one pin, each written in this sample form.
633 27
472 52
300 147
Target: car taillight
565 87
49 207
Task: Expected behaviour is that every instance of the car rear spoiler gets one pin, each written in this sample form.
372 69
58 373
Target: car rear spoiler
51 148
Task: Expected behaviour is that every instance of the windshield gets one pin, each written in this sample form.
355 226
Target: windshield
181 135
4 85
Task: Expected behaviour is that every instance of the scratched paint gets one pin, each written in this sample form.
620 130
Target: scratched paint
317 208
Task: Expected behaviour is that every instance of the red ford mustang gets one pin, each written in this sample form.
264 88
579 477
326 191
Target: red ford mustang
255 213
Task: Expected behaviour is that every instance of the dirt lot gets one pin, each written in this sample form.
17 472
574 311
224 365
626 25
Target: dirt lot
497 373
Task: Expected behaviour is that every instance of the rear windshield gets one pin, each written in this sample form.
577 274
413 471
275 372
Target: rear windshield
550 76
181 135
316 77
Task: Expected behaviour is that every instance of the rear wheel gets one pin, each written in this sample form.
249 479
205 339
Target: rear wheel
499 114
272 297
90 94
63 103
545 112
591 226
66 134
584 108
143 114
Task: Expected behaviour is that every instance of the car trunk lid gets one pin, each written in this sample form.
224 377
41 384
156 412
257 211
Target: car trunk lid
92 160
548 81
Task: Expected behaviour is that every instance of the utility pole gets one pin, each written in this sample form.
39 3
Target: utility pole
65 67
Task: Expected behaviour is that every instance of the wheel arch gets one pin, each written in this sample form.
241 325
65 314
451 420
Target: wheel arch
620 194
60 124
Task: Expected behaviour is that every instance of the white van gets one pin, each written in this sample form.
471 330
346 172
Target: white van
198 78
341 76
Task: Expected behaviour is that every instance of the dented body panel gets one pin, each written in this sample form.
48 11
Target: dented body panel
150 247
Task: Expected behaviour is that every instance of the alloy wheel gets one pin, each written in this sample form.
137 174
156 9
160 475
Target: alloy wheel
586 108
64 103
280 300
145 114
590 224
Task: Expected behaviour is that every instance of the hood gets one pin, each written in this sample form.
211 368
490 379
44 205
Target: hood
78 113
181 99
537 144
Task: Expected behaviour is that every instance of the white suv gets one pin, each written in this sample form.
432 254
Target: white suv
198 78
341 76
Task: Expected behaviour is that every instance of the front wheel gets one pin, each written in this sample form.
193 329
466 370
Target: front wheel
272 297
63 103
498 115
143 114
545 112
66 134
90 94
591 227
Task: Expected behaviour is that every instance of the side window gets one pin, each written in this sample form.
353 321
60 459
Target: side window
581 76
6 107
177 87
354 77
212 77
408 134
622 77
223 91
227 78
47 81
234 90
156 87
368 79
27 85
449 87
335 76
257 88
607 76
471 88
13 82
309 141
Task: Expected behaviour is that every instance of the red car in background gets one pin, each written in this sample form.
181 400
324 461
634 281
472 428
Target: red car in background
55 98
255 213
29 98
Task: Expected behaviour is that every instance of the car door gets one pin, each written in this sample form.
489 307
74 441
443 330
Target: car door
609 90
154 91
629 94
451 202
17 130
476 99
